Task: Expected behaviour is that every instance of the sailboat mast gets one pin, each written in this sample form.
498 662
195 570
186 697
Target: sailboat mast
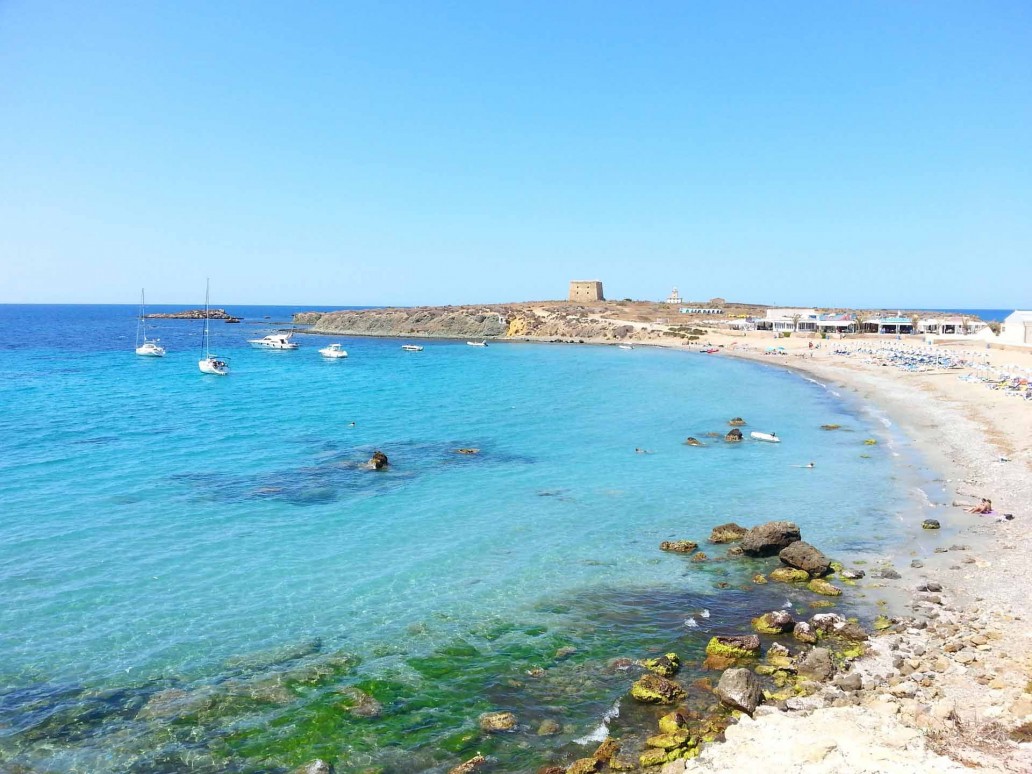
207 284
140 324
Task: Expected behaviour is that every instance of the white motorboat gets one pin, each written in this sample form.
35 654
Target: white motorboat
210 364
274 341
411 347
626 346
476 343
768 437
146 347
333 351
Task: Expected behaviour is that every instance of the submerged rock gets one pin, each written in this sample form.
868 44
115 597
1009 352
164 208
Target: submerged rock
727 533
803 556
653 689
467 451
469 766
740 689
318 766
360 704
789 575
818 586
379 461
495 722
665 666
678 546
768 539
549 727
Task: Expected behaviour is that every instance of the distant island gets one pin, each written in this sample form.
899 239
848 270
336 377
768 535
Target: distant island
195 314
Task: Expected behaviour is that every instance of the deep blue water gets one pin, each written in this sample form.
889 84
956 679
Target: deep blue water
161 528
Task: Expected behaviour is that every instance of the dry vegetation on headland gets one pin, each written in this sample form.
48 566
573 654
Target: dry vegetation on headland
948 685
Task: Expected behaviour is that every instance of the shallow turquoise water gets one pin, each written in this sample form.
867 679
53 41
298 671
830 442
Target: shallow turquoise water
160 525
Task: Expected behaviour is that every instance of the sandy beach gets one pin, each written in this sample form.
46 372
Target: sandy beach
950 689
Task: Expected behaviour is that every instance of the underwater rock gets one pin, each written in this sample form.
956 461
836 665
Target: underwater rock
679 546
830 427
788 575
930 524
699 557
469 766
734 551
318 766
265 659
733 436
736 422
816 664
735 646
495 722
379 460
690 441
467 451
740 689
718 663
803 556
549 727
665 666
768 539
360 704
653 689
565 652
727 533
774 622
818 586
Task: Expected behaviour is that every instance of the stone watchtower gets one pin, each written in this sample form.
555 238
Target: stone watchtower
586 290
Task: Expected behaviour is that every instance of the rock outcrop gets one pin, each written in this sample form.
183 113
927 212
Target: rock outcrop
803 556
678 546
733 436
770 538
653 689
739 689
727 533
379 461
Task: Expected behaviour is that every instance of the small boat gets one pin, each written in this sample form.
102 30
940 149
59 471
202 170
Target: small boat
625 346
711 351
411 347
333 351
768 437
274 341
210 364
146 347
476 343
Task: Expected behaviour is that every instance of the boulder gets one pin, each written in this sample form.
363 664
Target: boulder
736 646
678 546
583 766
851 573
699 557
673 722
733 436
378 461
605 751
495 722
652 757
739 689
774 622
653 689
789 575
768 539
736 422
665 666
818 586
930 524
803 556
816 664
669 741
727 533
778 657
804 632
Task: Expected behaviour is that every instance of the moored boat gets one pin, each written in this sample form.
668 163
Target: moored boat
210 364
476 343
146 347
411 347
274 341
333 351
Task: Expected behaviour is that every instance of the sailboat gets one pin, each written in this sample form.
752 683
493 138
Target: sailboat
146 347
210 364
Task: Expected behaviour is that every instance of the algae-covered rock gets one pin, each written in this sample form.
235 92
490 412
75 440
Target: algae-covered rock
653 689
803 556
605 751
882 622
727 533
789 575
360 704
673 722
583 766
699 557
623 763
678 546
739 689
469 766
778 656
804 632
718 663
495 722
654 756
871 442
774 622
735 646
820 603
665 666
830 427
930 524
669 741
549 727
768 539
759 579
822 587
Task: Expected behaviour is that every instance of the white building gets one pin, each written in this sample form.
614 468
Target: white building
673 298
1017 329
782 320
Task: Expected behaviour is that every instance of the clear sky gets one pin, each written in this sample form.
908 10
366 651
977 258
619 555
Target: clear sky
811 153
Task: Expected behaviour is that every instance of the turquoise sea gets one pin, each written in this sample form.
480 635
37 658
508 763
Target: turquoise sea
197 572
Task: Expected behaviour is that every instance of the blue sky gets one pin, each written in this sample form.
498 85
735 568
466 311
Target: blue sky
873 153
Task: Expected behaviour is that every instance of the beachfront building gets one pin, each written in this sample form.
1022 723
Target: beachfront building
889 325
788 320
1017 329
836 323
673 298
586 291
949 326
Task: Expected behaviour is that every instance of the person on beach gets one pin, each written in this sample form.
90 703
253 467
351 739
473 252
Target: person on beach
986 506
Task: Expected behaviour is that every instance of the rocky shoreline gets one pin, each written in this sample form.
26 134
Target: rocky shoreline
194 314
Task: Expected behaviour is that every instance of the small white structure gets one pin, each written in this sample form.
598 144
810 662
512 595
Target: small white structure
701 310
1017 329
673 298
